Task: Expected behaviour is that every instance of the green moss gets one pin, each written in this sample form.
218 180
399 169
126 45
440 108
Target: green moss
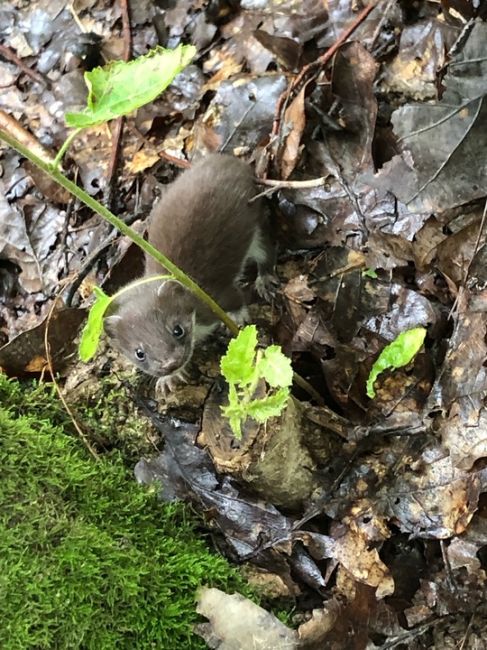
88 559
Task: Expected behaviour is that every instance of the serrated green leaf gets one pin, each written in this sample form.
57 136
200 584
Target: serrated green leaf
397 354
275 367
268 407
120 87
237 365
94 325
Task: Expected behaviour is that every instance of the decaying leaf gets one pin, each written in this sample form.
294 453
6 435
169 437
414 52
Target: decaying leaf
234 618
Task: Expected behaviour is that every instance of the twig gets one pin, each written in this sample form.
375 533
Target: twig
449 573
380 25
117 131
467 632
178 162
56 385
274 185
318 63
76 19
456 109
414 632
12 126
308 388
298 185
477 242
10 55
127 33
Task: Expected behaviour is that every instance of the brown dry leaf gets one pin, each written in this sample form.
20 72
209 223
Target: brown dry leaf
225 70
25 353
432 498
353 620
465 439
422 50
236 622
295 120
440 138
142 159
463 373
28 231
240 114
286 50
363 563
351 549
314 630
49 188
463 550
36 365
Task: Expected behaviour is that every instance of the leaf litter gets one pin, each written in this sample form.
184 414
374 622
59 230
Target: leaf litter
377 532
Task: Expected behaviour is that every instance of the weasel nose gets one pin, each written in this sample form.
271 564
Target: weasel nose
169 367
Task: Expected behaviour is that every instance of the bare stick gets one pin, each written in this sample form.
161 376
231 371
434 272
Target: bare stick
56 385
10 55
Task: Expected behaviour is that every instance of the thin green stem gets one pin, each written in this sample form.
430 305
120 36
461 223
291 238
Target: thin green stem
137 283
64 148
100 209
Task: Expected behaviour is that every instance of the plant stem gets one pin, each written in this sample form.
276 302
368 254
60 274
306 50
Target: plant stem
65 146
100 209
137 283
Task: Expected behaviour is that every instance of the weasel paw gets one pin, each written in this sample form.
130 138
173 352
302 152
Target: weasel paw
266 286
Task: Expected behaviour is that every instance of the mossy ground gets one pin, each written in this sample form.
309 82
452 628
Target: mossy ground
89 559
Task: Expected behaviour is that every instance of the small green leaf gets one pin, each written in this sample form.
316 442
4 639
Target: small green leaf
120 87
237 364
397 354
268 407
370 273
94 325
275 367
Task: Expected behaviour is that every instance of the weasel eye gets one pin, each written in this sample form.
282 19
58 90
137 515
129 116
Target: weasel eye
178 332
140 354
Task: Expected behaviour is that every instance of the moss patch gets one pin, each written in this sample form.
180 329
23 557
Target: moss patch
88 559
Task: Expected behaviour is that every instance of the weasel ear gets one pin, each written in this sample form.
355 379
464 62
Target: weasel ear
110 324
175 289
161 288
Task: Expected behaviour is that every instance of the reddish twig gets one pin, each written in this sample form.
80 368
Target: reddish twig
127 32
119 122
10 55
177 162
295 84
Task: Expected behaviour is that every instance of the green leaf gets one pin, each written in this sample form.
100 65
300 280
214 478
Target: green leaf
397 354
268 407
119 87
94 325
237 364
275 367
370 273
